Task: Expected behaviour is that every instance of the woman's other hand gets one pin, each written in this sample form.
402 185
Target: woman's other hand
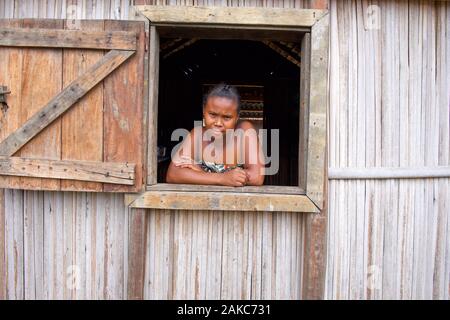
189 166
235 178
186 162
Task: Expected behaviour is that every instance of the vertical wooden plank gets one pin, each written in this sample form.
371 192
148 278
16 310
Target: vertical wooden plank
92 211
247 256
177 248
151 244
215 245
225 267
285 232
236 261
137 253
188 254
120 241
331 241
278 248
78 228
267 256
316 225
404 209
14 244
2 246
69 243
82 125
442 258
256 262
11 75
167 254
193 256
123 109
33 244
100 246
35 94
200 274
294 261
304 108
158 253
443 82
333 140
390 140
209 258
153 84
53 262
406 215
432 145
10 58
432 238
350 275
108 232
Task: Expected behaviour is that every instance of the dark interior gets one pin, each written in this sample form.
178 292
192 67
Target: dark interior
268 83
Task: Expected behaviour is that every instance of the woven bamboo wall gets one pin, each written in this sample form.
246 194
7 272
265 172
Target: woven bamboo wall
390 89
386 238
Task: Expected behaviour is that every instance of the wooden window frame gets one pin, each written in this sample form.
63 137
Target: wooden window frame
255 23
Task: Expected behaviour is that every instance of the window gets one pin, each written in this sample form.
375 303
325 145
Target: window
268 83
242 28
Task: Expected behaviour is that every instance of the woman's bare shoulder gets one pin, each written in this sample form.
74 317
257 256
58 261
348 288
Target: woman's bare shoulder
245 125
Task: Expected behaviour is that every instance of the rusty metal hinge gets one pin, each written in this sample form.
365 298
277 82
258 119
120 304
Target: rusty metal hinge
3 91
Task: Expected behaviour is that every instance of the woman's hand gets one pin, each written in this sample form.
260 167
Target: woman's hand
186 162
234 178
189 166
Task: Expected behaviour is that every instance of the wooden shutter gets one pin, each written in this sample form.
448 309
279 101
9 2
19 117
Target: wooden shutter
74 117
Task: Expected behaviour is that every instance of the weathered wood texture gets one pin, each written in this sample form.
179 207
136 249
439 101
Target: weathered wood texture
318 107
390 81
179 254
108 172
120 40
204 188
43 117
224 201
386 238
232 16
88 105
123 122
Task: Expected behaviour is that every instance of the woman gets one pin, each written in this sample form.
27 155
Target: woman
225 151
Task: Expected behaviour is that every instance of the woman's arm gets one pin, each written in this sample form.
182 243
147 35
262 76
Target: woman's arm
182 169
179 174
253 165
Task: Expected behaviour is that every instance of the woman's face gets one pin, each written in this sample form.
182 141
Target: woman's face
220 114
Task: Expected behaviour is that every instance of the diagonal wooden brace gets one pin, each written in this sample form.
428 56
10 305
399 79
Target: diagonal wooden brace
63 101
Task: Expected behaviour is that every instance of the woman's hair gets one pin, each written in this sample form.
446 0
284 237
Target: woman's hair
224 91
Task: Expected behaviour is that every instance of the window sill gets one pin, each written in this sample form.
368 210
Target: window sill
188 197
206 188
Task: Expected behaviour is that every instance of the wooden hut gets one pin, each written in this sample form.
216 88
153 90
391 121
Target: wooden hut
364 207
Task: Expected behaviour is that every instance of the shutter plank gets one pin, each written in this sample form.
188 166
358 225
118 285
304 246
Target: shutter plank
41 81
123 118
10 76
117 173
82 125
68 39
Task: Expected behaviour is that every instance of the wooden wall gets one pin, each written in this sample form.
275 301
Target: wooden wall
212 255
386 238
390 89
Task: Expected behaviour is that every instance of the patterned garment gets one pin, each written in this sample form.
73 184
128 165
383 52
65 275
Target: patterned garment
218 167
